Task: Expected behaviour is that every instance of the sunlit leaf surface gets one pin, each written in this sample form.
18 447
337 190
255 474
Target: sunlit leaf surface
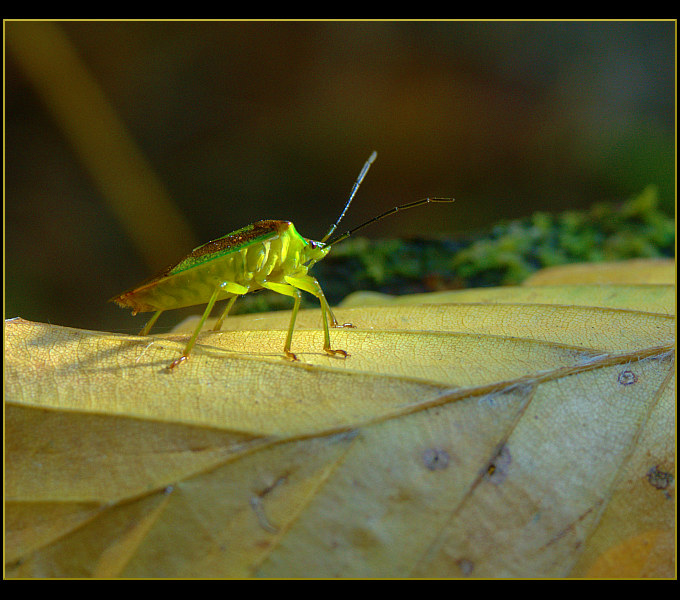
506 432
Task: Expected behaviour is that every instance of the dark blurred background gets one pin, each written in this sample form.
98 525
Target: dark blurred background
128 143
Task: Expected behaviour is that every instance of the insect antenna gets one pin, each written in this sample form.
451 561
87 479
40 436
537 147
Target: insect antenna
355 187
387 214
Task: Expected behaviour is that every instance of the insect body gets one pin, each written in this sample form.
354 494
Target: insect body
265 255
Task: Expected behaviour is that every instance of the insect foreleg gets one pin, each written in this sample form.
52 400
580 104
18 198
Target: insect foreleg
291 326
194 337
311 285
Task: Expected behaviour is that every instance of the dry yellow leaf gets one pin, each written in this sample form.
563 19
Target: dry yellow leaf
516 432
640 297
638 271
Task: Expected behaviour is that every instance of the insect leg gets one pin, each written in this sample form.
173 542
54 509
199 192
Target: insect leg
218 325
287 290
233 288
311 285
194 337
149 325
291 326
334 321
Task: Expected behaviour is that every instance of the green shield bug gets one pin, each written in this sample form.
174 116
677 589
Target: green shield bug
268 255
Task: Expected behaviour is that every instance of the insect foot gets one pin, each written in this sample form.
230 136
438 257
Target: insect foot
291 356
339 326
334 352
178 362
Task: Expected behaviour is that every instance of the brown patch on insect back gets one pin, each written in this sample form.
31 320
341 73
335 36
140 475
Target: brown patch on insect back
232 242
240 237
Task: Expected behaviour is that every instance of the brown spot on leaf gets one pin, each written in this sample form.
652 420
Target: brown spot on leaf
466 566
627 377
658 478
497 469
436 459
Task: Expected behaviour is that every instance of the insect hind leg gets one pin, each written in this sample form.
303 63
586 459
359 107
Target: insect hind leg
232 288
194 337
225 312
150 323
